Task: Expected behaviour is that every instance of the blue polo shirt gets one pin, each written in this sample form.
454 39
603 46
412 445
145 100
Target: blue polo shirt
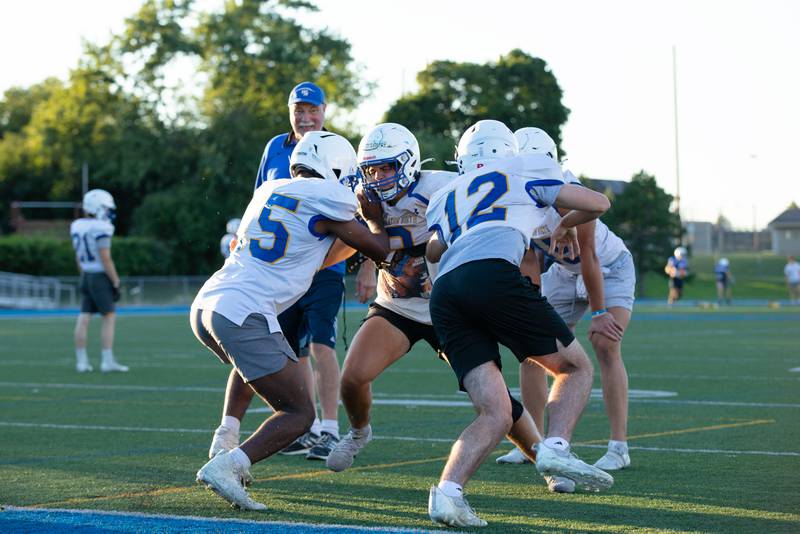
275 164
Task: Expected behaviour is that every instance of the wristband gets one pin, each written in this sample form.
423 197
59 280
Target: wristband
598 313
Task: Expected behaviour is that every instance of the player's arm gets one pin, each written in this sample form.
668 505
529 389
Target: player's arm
435 248
366 281
110 268
338 252
372 241
585 205
603 323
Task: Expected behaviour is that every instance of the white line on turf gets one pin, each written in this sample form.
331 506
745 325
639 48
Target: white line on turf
315 527
18 424
794 370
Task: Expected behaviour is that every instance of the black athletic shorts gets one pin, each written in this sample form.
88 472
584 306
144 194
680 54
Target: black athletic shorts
97 293
413 330
482 303
676 283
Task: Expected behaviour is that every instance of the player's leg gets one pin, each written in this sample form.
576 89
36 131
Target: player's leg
376 345
103 296
82 364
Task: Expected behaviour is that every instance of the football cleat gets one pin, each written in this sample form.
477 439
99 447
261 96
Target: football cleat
301 445
515 456
563 463
559 484
323 447
84 367
342 456
614 459
224 440
452 511
113 366
224 476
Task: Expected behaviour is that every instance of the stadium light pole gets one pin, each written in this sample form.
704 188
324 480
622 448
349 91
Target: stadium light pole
677 154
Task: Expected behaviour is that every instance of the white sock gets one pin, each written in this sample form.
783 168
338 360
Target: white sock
359 433
108 355
451 489
231 423
557 443
316 427
81 355
331 426
240 458
621 446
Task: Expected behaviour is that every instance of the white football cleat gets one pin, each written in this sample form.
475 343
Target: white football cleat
84 367
452 511
224 440
113 366
342 456
563 463
559 484
514 456
614 459
224 476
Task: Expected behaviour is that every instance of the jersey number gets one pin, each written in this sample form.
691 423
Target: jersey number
81 246
482 211
276 228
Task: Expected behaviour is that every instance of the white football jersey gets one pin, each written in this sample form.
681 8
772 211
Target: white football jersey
511 193
277 251
406 280
89 235
608 246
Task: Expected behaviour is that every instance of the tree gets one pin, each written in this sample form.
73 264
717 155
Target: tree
517 89
642 218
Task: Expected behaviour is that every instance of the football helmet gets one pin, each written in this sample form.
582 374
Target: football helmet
723 262
232 226
393 144
100 203
533 140
483 141
329 155
680 252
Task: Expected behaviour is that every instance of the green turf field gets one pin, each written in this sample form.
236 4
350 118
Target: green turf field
721 455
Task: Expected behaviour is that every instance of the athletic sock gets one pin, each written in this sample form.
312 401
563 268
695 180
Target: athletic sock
451 489
231 423
240 458
618 446
331 426
557 443
81 356
108 355
360 433
316 427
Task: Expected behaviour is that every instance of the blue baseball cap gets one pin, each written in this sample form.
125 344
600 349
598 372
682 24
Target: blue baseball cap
307 92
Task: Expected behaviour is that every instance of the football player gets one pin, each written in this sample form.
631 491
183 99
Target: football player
285 234
601 278
483 222
99 281
677 268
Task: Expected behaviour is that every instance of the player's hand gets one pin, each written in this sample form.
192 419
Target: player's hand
366 281
116 293
371 207
606 325
561 239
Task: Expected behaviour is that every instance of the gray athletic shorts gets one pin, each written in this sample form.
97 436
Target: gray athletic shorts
567 294
97 293
250 348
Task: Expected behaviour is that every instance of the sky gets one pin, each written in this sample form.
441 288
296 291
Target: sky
738 78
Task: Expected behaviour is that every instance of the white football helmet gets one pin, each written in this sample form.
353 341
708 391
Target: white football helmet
100 203
232 226
485 140
393 144
536 141
680 252
723 262
329 155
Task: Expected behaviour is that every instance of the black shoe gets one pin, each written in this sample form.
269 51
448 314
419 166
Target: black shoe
301 445
323 447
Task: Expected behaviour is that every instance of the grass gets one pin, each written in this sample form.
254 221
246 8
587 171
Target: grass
738 356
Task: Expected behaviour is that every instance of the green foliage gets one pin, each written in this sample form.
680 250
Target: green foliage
49 256
641 216
517 89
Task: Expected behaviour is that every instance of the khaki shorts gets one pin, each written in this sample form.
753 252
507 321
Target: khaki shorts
251 348
567 294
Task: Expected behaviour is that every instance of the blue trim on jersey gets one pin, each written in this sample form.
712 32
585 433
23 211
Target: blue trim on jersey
287 203
419 197
101 236
438 229
537 183
313 221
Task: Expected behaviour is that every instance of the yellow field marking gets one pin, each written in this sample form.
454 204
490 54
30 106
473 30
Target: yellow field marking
684 431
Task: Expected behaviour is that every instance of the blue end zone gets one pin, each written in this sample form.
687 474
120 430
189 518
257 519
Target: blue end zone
13 519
